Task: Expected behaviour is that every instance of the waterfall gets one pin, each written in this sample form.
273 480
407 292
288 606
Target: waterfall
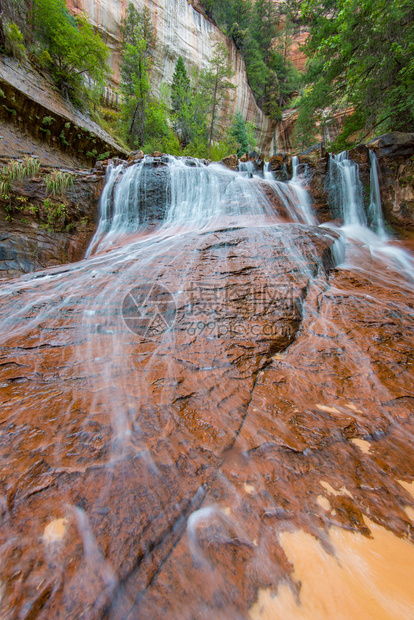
267 173
362 221
246 166
346 190
375 209
188 194
347 193
196 416
294 196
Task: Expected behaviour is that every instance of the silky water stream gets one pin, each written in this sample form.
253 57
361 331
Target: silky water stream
211 415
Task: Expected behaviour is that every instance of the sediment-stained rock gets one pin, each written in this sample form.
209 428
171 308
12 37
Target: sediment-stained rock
150 472
110 440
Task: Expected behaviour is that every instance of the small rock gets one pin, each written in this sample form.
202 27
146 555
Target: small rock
231 161
136 156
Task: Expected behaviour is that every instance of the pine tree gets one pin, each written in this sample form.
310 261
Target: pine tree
239 132
182 103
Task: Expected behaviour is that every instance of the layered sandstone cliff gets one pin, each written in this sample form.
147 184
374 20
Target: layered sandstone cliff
181 29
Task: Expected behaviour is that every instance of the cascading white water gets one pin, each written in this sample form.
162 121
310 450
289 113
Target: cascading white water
347 193
346 190
375 209
361 223
294 196
186 193
246 166
267 173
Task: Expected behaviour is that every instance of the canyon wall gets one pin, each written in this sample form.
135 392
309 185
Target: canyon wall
181 29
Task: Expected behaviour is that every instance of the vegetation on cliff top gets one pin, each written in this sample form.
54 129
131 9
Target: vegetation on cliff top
65 45
262 36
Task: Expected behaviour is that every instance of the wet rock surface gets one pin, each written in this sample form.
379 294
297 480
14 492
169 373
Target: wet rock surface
120 463
151 475
326 438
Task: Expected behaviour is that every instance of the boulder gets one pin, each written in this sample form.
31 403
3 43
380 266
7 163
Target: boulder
393 144
231 161
360 154
135 156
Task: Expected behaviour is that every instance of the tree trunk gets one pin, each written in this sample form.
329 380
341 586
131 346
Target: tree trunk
213 113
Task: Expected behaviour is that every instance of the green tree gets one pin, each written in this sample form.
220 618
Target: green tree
182 103
138 46
239 132
70 48
361 59
264 27
254 27
216 88
159 135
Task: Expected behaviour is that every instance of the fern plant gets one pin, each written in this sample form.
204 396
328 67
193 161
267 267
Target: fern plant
18 171
57 182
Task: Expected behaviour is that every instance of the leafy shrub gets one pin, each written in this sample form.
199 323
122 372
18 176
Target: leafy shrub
14 41
71 50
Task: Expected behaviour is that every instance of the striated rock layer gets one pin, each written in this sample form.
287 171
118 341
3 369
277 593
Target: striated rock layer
180 29
34 106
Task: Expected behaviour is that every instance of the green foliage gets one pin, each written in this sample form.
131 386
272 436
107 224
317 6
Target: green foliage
361 59
62 138
255 30
158 131
55 213
110 121
16 171
182 103
222 149
239 132
103 156
57 182
71 50
14 40
137 52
